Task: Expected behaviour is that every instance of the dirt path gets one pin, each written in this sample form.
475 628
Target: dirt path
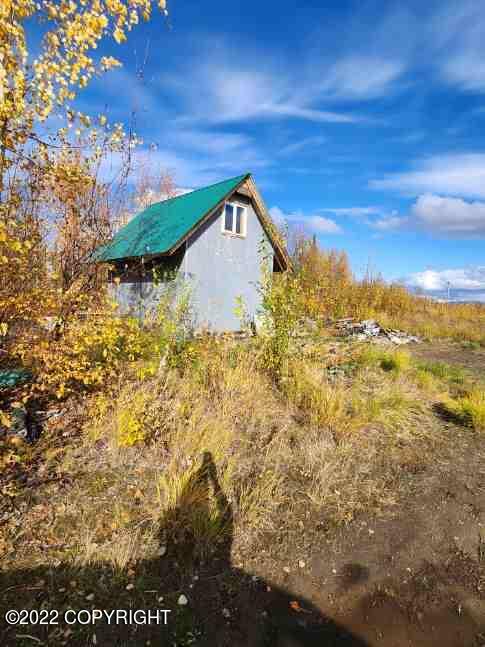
416 578
470 359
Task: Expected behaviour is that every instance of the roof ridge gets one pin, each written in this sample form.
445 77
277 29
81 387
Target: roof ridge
201 188
159 227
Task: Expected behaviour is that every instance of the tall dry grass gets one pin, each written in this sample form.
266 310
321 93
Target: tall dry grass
313 445
334 447
329 290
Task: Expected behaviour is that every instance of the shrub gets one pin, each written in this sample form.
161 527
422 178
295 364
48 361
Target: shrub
280 313
173 324
396 361
393 360
130 427
329 291
88 354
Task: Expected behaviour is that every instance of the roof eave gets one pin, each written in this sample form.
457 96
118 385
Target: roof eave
206 217
266 222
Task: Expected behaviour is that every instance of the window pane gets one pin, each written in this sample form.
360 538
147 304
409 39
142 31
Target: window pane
239 217
229 217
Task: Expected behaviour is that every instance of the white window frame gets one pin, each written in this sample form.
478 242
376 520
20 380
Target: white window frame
244 220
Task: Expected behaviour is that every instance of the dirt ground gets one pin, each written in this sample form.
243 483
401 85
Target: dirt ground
414 576
463 356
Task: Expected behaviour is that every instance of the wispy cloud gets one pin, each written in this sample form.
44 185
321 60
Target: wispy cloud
389 223
306 114
247 85
373 216
361 77
451 175
186 170
308 143
314 223
354 212
457 32
208 142
242 93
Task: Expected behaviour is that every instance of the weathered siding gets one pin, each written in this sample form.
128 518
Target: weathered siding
218 267
137 293
222 267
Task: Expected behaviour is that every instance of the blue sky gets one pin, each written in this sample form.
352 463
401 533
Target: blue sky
362 121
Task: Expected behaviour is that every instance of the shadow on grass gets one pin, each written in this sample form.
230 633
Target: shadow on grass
225 606
447 415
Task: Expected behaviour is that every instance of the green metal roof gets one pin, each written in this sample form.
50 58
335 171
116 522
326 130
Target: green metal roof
157 229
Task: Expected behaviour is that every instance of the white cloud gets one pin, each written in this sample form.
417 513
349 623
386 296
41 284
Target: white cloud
451 216
247 85
452 175
208 142
312 222
458 35
308 114
241 93
354 212
185 170
322 225
373 216
361 77
458 279
302 145
198 157
389 223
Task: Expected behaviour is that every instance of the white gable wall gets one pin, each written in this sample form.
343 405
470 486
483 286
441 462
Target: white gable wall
221 267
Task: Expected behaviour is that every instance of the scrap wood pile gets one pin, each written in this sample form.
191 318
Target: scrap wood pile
370 330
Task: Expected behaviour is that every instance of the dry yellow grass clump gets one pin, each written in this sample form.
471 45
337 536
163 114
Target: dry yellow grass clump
469 408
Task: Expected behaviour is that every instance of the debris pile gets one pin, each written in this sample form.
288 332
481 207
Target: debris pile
370 330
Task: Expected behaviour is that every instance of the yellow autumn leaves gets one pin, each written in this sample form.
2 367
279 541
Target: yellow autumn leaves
72 31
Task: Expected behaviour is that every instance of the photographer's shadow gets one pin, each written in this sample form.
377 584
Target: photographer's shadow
258 613
212 603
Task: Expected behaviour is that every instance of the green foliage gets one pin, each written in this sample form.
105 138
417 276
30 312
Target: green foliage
396 361
280 313
446 372
242 314
173 322
388 360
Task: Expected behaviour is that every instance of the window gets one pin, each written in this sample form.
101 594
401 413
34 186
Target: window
234 220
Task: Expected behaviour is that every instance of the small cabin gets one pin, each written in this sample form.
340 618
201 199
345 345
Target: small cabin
214 240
